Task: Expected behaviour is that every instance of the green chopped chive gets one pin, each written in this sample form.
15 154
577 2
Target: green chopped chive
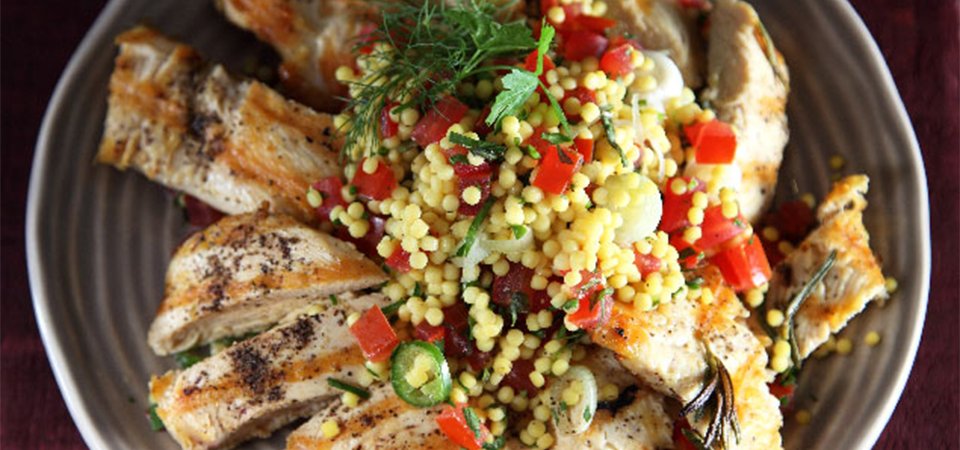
355 390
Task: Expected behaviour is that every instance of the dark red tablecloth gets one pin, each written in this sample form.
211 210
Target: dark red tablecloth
918 39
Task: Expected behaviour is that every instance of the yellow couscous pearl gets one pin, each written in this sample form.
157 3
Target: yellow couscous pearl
775 318
844 346
891 285
802 417
872 338
330 429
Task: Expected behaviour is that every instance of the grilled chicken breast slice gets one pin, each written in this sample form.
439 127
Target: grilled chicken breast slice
748 84
231 143
854 280
313 37
245 273
667 348
263 383
384 421
665 25
643 418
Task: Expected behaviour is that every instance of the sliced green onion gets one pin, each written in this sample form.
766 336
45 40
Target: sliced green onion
355 390
436 390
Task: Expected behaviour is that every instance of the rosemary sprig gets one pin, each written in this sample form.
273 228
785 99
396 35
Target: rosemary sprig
794 306
432 48
716 395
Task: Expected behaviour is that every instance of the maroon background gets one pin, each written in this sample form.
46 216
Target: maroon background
918 39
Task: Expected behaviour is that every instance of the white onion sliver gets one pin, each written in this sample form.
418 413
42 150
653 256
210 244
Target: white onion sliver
574 419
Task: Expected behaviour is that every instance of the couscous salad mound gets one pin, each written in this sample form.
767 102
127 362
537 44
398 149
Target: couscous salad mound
540 225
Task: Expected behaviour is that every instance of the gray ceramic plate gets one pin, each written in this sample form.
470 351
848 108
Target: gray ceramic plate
99 240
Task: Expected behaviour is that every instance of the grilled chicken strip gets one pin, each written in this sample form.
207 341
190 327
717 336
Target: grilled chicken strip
384 421
665 25
232 143
748 85
245 273
640 419
668 349
854 280
263 383
313 37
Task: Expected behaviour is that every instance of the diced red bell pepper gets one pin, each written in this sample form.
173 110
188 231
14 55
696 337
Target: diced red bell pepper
744 266
330 188
617 61
647 263
780 391
718 229
584 146
377 185
453 423
578 45
714 141
433 126
519 377
399 260
555 171
200 214
375 335
429 333
676 207
530 63
388 128
582 94
365 37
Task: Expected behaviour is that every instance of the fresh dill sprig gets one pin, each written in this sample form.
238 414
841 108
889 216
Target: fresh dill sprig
420 53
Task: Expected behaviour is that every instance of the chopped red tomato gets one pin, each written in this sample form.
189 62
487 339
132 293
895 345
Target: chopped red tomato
596 24
365 37
399 260
594 305
647 263
578 45
556 169
680 440
330 189
618 61
690 255
530 63
714 141
388 128
587 317
781 391
470 175
429 333
584 146
481 127
743 266
200 214
434 124
377 185
718 229
368 243
453 423
519 377
374 335
675 207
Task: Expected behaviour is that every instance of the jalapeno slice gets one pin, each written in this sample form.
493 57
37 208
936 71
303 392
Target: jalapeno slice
415 359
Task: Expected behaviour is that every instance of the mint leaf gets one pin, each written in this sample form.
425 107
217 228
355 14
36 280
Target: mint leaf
518 85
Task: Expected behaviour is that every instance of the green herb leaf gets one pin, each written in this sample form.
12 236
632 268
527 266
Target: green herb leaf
519 231
570 305
473 422
556 138
587 414
518 305
343 386
190 357
156 424
334 300
606 117
459 159
518 85
471 236
417 290
496 444
486 150
547 32
532 152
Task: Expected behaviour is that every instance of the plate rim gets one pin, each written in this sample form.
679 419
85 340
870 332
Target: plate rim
80 412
